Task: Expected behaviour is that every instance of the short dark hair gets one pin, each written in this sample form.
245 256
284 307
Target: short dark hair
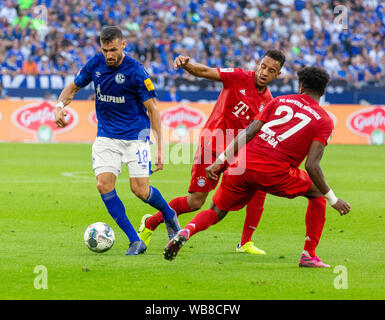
276 55
313 79
110 33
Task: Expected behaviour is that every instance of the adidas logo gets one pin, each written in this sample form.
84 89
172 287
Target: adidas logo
307 238
243 91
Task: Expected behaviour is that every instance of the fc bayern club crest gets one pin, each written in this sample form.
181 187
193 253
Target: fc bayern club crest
201 182
120 78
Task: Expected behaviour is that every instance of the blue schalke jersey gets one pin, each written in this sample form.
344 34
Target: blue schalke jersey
120 93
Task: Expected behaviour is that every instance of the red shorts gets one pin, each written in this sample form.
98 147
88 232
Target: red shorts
199 181
235 191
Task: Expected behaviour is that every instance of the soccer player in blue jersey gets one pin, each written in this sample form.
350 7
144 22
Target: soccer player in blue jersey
126 110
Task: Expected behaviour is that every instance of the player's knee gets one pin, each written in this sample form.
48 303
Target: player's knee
140 191
196 200
104 187
196 203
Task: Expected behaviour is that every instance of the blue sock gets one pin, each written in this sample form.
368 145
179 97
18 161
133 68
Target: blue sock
117 211
156 200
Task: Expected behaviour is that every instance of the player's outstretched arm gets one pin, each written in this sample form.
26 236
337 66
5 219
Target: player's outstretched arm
238 142
154 115
313 167
196 69
65 99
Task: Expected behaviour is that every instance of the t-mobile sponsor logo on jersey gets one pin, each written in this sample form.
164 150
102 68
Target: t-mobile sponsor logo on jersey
369 123
240 110
39 118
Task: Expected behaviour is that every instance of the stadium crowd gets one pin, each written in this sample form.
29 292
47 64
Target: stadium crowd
47 36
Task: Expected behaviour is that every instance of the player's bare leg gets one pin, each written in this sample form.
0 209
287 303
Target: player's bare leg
192 202
200 222
105 182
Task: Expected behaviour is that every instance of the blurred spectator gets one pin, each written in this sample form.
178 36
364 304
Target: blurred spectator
331 65
11 65
344 74
44 65
60 66
217 33
172 95
373 72
29 67
8 11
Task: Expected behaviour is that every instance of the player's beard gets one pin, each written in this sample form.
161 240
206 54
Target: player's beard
115 62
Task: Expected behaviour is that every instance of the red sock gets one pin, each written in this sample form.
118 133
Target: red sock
180 205
202 221
315 220
254 212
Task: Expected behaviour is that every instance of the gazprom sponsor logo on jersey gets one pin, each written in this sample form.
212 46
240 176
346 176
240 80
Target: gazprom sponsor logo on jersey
107 98
369 123
183 115
39 118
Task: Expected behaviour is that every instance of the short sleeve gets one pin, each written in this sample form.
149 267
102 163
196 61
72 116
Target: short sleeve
231 76
84 76
266 112
144 85
324 133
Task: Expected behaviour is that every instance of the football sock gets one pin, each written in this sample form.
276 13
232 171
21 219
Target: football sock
180 205
156 200
254 212
202 221
315 220
117 211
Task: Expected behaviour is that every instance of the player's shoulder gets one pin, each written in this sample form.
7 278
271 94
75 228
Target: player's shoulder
235 71
327 119
131 61
96 60
133 66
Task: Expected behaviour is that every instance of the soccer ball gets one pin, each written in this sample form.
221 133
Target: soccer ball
99 237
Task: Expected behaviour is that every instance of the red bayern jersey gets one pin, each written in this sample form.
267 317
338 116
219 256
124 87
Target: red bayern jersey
292 123
237 105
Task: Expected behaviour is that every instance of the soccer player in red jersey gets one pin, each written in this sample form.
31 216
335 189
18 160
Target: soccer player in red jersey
289 129
244 95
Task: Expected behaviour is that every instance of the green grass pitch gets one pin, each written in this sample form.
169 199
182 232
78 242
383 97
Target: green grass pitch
48 198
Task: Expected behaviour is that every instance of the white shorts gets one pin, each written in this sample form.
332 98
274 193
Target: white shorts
108 155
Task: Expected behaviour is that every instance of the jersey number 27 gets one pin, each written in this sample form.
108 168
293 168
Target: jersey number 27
286 118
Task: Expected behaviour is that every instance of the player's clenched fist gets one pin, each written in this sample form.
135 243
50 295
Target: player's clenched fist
181 61
60 120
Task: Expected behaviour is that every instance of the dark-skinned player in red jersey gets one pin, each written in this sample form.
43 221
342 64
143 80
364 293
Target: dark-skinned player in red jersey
244 95
289 129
